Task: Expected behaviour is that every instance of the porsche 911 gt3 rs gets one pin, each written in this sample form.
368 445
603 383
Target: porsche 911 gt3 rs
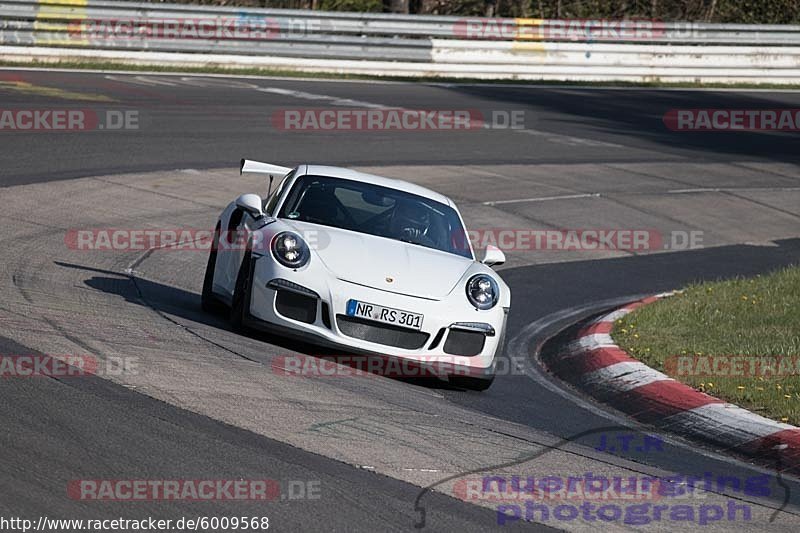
361 263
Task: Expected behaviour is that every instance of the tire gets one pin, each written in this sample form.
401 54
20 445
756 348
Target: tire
471 383
209 302
240 307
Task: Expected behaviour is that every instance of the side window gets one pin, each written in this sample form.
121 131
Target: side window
273 200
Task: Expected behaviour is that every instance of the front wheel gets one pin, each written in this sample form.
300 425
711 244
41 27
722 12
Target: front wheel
471 383
208 301
240 307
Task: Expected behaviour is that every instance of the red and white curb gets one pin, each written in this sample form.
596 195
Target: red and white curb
594 363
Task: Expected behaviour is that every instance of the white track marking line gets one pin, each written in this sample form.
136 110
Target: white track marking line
672 191
543 198
568 139
732 189
197 82
334 100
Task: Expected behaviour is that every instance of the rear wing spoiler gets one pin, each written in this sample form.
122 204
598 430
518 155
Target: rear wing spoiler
247 165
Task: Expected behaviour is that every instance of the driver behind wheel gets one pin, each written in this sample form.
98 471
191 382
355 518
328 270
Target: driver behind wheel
410 222
318 205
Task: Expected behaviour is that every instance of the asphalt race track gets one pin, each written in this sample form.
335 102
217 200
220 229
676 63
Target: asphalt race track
202 402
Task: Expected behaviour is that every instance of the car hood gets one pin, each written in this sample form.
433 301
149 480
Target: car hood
373 261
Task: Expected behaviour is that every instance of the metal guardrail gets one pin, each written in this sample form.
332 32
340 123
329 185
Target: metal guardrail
477 47
94 13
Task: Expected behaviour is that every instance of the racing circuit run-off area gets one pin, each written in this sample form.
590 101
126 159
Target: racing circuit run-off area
507 266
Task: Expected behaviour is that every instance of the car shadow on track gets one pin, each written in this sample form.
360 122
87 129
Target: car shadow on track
169 301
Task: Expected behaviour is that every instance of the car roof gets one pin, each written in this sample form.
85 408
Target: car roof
354 175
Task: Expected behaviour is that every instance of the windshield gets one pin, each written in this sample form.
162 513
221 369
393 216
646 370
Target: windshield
376 210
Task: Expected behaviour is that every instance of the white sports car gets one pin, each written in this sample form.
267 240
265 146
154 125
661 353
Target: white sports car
361 263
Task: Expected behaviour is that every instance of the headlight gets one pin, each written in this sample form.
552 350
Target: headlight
482 291
290 250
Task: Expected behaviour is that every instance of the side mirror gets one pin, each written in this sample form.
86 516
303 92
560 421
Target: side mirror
250 203
494 256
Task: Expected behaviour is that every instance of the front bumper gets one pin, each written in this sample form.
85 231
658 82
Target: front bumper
305 305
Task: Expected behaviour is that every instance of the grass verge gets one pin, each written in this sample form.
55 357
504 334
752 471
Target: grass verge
255 71
738 340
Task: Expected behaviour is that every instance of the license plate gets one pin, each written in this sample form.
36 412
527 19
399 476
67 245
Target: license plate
387 315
